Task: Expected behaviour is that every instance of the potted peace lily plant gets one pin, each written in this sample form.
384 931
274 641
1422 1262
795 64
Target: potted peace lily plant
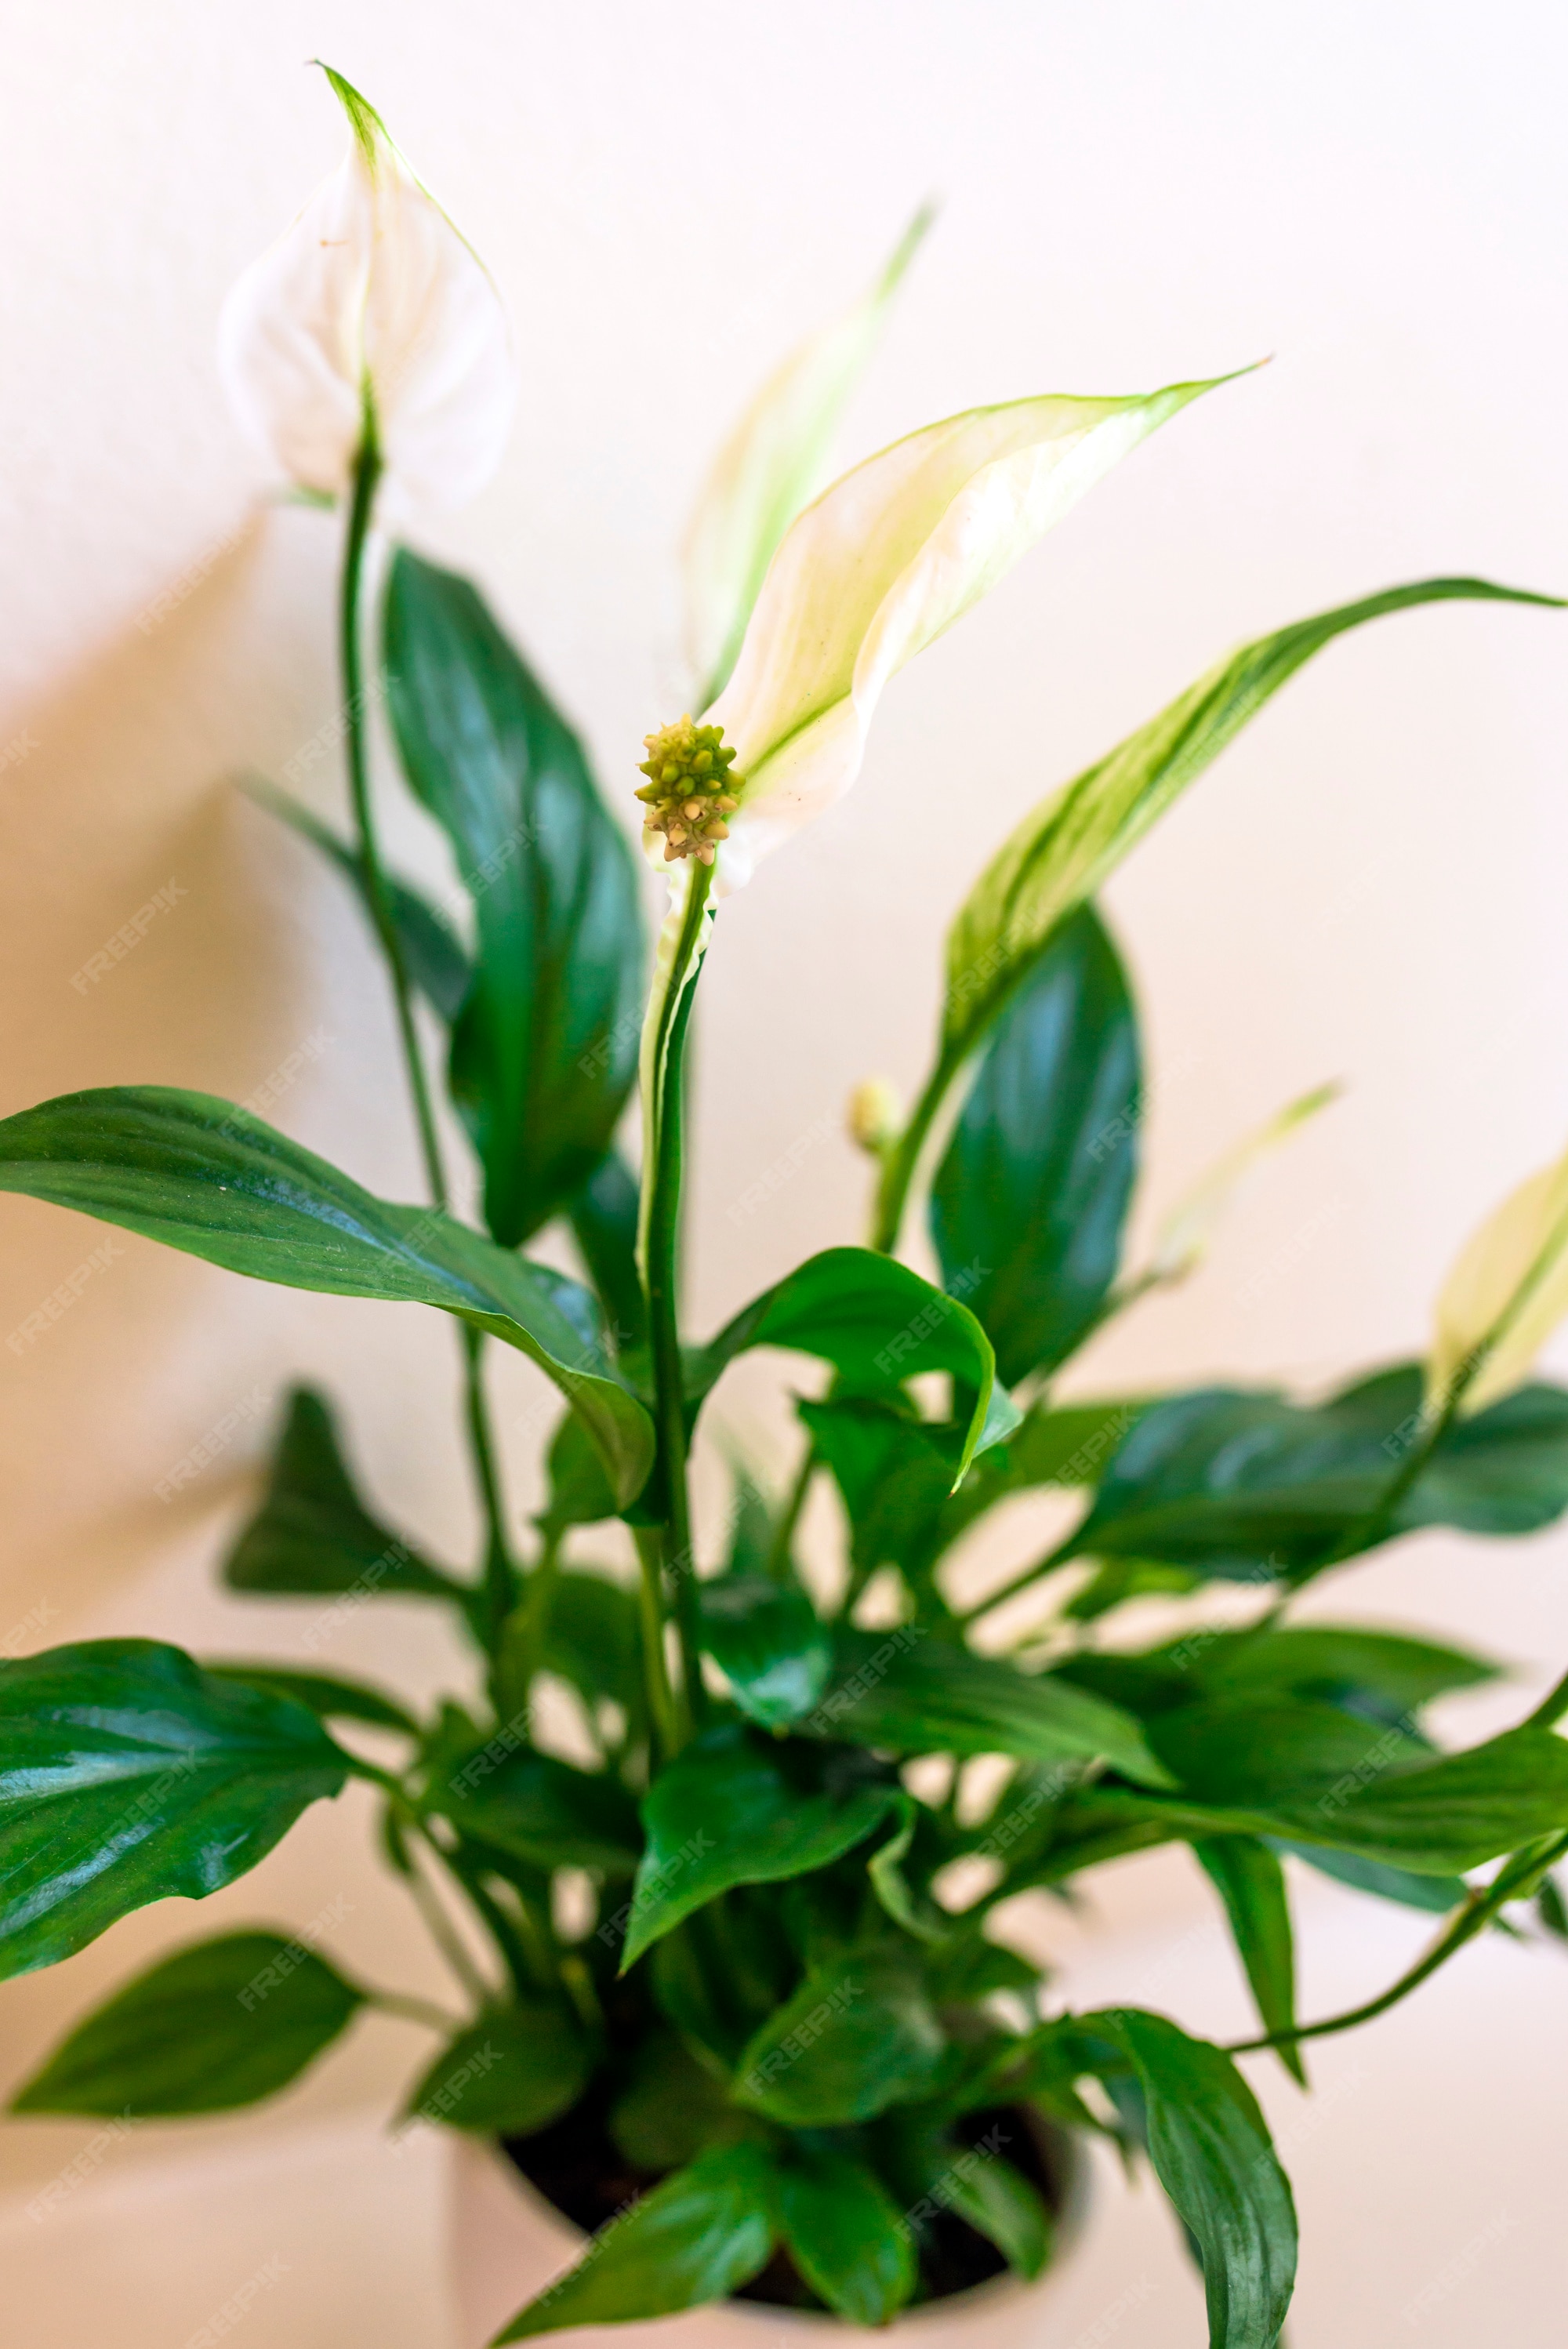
771 2045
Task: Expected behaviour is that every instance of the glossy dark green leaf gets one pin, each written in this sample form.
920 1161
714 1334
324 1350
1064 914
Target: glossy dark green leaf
979 2183
1029 1202
219 2023
1257 1752
696 2236
327 1696
877 1322
909 1693
1436 1895
672 2107
1249 1880
1449 1814
1248 1486
1065 849
766 1638
201 1176
434 957
734 1808
895 1474
859 2034
971 1966
545 1047
313 1534
508 2074
604 1224
1213 2154
846 2234
540 1808
128 1775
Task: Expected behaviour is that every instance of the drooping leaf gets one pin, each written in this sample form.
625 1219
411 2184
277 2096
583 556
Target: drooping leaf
859 2034
509 2073
1213 2154
877 1322
1246 1486
604 1225
696 2236
1435 1895
128 1775
846 2234
732 1809
541 1808
329 1697
434 957
1065 849
545 1046
766 1638
672 2107
201 1176
908 1695
1249 1881
1036 1178
313 1534
220 2024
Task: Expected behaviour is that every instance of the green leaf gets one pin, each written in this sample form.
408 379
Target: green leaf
978 2184
433 955
1331 1660
312 1534
906 1693
1213 2155
1066 848
859 2034
1258 1752
730 1809
540 1809
593 1639
672 2107
1037 1175
1246 1484
581 1493
766 1638
128 1775
200 1175
1451 1813
604 1225
697 2237
846 2234
545 1046
877 1322
220 2024
896 1475
327 1696
508 2074
1434 1894
1249 1880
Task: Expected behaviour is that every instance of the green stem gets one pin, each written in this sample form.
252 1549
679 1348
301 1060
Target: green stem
1515 1880
415 2009
662 1169
899 1165
784 1532
662 1708
366 474
500 1573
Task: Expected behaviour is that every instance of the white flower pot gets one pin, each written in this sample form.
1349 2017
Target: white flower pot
507 2242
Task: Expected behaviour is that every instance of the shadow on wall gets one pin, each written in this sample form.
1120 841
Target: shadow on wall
158 929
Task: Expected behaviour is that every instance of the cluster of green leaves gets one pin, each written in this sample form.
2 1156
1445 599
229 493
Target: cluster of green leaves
782 1981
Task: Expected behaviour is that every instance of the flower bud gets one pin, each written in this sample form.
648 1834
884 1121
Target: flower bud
875 1115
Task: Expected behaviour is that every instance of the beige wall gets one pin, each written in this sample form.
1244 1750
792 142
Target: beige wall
1371 885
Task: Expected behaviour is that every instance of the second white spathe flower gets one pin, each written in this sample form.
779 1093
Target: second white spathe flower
880 566
372 302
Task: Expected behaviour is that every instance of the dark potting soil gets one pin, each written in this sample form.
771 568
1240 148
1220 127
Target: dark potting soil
575 2165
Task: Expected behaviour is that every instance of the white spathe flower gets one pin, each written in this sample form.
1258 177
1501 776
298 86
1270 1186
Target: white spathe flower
1187 1235
1506 1293
371 307
773 463
880 566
